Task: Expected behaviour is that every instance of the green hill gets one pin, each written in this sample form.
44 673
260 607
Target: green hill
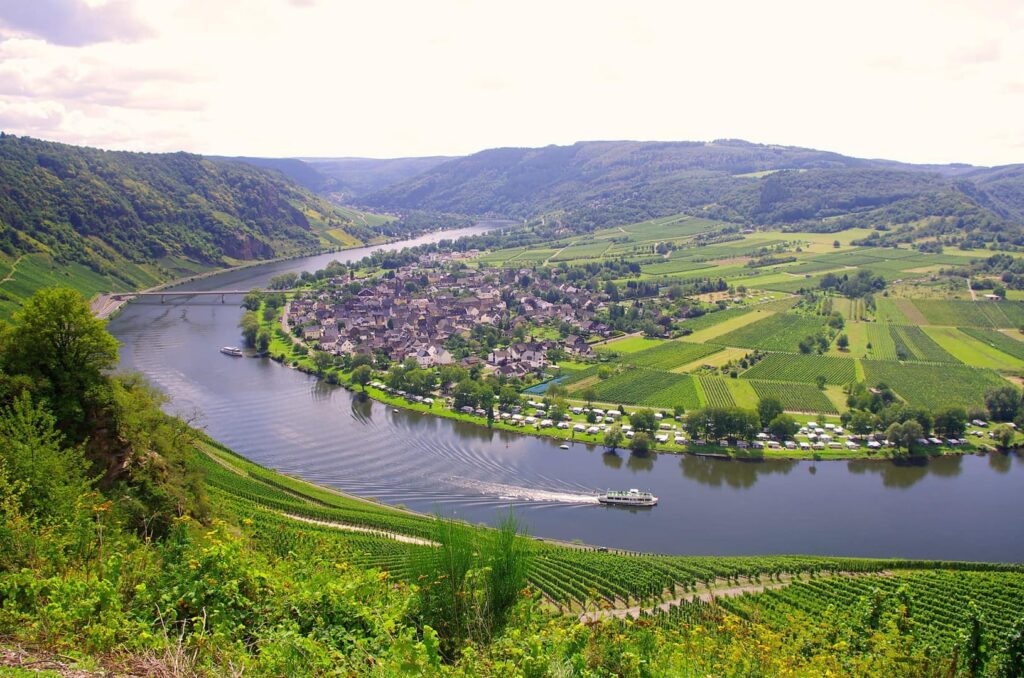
97 219
598 183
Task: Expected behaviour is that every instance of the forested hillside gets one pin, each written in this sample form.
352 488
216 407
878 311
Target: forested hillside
102 219
610 182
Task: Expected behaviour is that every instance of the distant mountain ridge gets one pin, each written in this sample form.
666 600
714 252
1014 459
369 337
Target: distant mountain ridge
345 179
604 182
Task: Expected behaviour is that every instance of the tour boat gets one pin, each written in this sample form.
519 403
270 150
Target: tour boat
564 447
231 350
633 497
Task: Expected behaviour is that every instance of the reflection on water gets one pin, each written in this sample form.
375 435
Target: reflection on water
285 419
733 473
612 459
905 473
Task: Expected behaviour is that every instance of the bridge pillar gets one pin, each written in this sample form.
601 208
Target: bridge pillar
222 298
161 298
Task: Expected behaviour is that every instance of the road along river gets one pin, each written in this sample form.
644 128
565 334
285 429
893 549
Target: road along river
950 508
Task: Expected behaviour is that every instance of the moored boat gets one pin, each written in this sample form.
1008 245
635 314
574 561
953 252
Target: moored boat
633 497
231 350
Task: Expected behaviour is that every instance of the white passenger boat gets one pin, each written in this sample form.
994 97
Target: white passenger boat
231 350
633 497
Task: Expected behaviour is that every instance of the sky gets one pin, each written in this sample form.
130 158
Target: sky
910 80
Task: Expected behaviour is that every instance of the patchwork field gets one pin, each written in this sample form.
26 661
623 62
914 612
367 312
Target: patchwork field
803 369
933 386
779 332
670 355
795 397
716 392
972 347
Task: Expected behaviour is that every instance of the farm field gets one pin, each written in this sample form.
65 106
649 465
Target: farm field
637 386
717 359
977 351
1004 343
957 313
716 392
912 343
669 355
803 369
882 346
743 394
711 325
933 386
633 344
795 397
886 311
779 332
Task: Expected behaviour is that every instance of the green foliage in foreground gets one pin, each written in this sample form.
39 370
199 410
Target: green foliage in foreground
109 550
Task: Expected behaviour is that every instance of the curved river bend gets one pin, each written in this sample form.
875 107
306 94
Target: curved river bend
951 508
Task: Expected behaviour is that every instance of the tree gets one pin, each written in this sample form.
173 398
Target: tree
590 395
951 422
250 326
263 340
613 438
361 376
1003 435
252 300
783 427
905 434
843 342
640 444
56 342
862 423
643 420
508 396
820 381
1003 402
769 408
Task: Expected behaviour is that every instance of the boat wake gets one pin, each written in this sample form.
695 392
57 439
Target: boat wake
517 493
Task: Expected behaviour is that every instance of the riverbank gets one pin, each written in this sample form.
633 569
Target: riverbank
292 352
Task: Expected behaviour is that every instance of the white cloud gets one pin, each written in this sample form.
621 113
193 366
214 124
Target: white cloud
919 80
73 22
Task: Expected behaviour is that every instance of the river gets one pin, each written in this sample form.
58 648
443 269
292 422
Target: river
951 508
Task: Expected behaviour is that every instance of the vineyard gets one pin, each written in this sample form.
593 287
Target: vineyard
571 578
913 344
959 313
716 392
997 340
780 332
933 386
795 397
670 355
937 602
882 345
804 368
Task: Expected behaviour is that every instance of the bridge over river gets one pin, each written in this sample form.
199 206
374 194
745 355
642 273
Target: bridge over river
104 305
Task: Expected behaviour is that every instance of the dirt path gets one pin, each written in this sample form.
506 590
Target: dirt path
974 297
14 267
707 595
404 538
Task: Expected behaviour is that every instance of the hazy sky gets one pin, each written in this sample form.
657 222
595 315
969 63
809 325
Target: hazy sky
915 80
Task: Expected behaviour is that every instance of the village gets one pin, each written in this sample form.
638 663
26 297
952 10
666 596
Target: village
431 310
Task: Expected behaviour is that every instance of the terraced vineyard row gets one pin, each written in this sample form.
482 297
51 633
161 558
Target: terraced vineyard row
938 601
803 368
565 575
638 386
795 397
